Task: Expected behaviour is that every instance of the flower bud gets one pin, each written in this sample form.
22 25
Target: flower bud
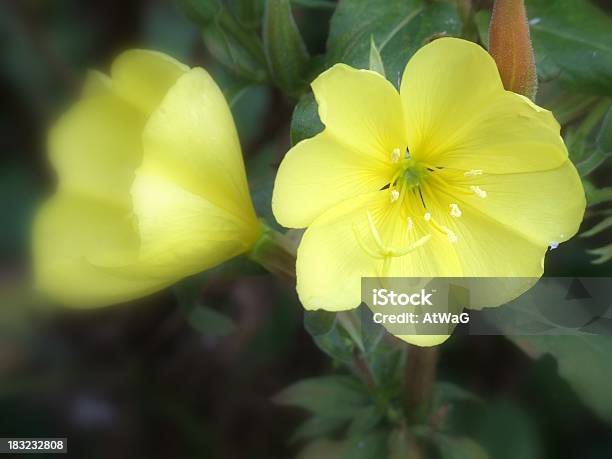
285 50
510 46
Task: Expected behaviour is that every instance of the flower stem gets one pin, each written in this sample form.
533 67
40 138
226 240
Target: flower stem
420 376
276 253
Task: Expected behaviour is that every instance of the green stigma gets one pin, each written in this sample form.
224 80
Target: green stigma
414 173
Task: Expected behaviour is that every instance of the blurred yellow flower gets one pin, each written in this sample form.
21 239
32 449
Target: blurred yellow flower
152 185
452 176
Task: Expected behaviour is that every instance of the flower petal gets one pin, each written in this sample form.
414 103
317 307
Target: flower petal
183 233
459 116
330 263
75 241
143 77
191 140
544 207
331 260
318 173
361 109
96 146
485 247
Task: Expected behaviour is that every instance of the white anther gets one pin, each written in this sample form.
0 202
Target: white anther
473 173
450 234
427 216
410 223
394 195
553 245
395 155
455 211
478 191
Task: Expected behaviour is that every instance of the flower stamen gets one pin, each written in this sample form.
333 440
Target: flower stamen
383 251
445 230
395 155
455 211
478 191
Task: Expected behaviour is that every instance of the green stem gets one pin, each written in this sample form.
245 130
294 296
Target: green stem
248 39
347 319
275 252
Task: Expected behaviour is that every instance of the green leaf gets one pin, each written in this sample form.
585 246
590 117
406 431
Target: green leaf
284 47
399 29
227 50
598 228
200 11
323 449
328 335
326 396
210 322
319 322
202 318
603 254
445 393
590 142
482 20
376 63
591 381
305 122
596 195
364 421
402 445
502 423
604 137
315 4
572 40
317 426
458 447
371 446
371 332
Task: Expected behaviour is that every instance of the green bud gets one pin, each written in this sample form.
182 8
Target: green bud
201 12
285 50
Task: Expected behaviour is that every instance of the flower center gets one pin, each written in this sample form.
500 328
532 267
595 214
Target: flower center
413 173
409 189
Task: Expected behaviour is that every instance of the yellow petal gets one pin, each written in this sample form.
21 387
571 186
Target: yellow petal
362 110
96 146
544 207
191 141
75 240
459 116
340 248
96 84
183 233
485 247
318 173
330 262
143 77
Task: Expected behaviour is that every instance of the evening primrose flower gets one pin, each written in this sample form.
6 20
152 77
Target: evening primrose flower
452 176
152 185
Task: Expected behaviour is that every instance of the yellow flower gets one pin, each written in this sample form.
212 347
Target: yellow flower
452 176
152 185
